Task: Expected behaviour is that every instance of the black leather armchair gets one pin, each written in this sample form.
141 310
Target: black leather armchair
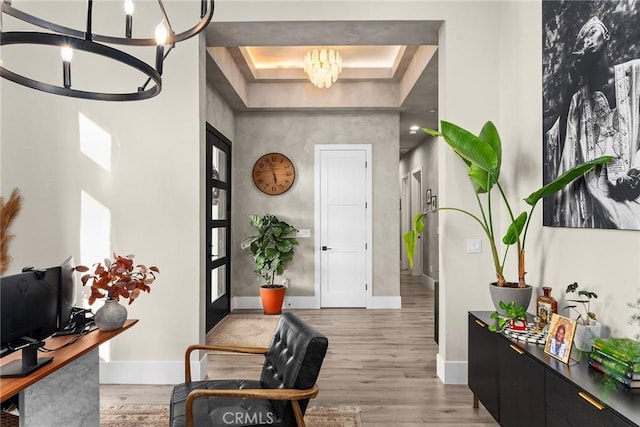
280 398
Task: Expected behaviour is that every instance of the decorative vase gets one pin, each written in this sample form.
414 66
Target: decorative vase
272 299
586 334
545 305
522 296
110 316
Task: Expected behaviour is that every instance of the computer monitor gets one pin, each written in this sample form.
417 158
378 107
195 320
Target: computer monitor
29 314
67 292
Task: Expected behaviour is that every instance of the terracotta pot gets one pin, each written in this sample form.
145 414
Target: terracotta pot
272 299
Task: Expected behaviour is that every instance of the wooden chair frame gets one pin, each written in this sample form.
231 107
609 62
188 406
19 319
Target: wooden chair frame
292 395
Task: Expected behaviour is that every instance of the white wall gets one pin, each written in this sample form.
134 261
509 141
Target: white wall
603 261
152 193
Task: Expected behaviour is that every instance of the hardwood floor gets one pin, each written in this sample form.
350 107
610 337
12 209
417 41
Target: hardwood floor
382 361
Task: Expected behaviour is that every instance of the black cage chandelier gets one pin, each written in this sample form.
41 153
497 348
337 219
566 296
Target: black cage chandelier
70 39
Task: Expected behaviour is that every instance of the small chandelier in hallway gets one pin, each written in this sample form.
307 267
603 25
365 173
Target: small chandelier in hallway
323 66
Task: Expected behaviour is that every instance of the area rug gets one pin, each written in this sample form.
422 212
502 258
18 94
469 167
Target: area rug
244 330
158 416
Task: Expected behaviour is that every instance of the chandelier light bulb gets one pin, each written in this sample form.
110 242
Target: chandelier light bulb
128 23
161 34
323 66
66 53
128 7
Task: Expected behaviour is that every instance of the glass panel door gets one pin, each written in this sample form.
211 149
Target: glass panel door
218 199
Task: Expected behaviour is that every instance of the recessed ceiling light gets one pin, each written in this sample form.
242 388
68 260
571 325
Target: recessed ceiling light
412 132
414 128
432 111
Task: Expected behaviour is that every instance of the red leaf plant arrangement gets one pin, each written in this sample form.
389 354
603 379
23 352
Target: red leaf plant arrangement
118 278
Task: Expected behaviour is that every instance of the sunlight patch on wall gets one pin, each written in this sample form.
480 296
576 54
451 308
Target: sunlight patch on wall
95 142
95 245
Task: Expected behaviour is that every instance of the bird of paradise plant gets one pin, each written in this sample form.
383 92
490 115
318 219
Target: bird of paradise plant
482 154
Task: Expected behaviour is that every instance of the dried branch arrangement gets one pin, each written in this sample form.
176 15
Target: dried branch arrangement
8 212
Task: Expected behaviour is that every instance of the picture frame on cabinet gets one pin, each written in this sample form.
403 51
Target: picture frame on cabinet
427 196
560 338
434 202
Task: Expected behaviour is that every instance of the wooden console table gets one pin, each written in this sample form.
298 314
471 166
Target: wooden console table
66 390
522 386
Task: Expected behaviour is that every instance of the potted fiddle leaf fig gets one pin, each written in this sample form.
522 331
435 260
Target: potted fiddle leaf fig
482 155
272 249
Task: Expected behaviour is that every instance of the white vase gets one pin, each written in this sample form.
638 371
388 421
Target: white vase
586 334
110 316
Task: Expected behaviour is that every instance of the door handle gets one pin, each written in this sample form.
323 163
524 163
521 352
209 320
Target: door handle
324 248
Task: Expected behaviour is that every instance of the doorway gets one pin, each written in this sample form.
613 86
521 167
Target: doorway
343 224
416 207
405 220
218 226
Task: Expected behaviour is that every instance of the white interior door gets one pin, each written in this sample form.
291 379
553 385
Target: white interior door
344 227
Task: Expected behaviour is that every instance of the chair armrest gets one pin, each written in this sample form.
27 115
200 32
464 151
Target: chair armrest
191 348
269 393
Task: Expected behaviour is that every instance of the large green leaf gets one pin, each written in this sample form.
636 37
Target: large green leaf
565 179
515 229
489 134
411 237
471 147
480 178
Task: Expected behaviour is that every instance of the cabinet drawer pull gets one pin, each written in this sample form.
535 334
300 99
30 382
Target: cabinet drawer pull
591 400
480 323
516 349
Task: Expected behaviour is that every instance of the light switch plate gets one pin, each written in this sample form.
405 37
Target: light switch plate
304 232
474 246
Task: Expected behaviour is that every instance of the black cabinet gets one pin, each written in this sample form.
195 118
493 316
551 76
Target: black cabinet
483 366
521 389
522 386
574 407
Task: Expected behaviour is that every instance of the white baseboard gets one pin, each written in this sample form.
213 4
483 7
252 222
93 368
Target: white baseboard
301 302
451 372
429 281
245 303
386 302
253 303
150 372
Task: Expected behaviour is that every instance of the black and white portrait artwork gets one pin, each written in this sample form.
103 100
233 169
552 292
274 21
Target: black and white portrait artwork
591 108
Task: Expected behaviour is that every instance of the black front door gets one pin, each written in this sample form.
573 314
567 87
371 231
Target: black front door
218 226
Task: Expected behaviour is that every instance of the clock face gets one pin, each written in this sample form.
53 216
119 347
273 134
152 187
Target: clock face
273 173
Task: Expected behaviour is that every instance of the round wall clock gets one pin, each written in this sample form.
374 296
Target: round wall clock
273 174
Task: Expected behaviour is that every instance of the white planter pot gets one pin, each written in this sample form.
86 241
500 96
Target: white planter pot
585 335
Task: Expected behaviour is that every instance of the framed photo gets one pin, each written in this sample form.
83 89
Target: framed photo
427 196
544 311
560 338
572 72
434 202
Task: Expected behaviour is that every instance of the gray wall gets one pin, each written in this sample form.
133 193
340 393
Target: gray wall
295 135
